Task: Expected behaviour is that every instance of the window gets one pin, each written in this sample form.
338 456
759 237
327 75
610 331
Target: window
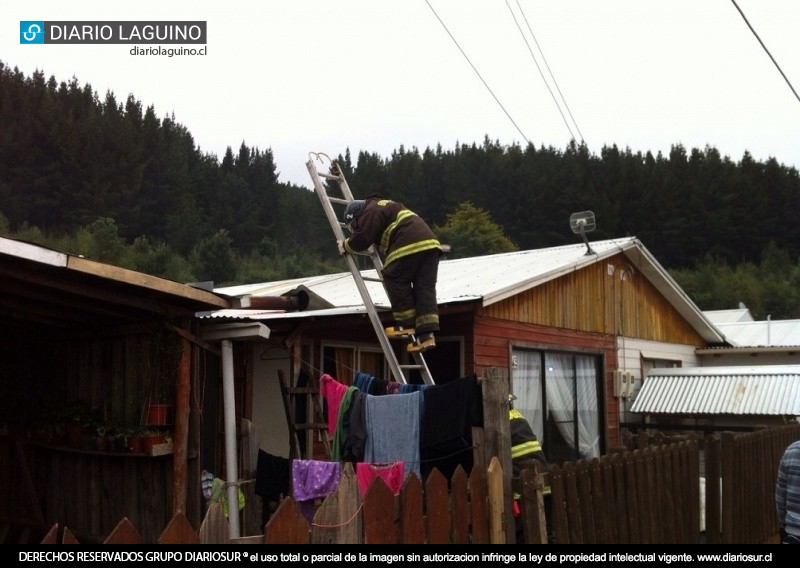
649 363
342 361
559 393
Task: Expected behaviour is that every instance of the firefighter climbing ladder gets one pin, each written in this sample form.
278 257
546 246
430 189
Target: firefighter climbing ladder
337 177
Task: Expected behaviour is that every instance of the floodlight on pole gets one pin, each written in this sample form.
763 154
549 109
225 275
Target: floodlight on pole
581 223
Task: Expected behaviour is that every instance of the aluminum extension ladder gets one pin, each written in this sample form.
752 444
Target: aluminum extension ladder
337 177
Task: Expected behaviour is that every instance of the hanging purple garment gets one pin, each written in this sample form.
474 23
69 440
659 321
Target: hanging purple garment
313 479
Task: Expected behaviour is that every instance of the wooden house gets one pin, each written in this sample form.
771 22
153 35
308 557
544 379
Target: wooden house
575 327
86 348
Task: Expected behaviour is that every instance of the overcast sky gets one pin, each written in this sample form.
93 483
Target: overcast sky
300 76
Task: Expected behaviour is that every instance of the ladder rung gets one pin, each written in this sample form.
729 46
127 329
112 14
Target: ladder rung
370 279
327 176
410 366
338 200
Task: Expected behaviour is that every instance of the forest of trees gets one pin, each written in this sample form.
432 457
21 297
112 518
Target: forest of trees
115 182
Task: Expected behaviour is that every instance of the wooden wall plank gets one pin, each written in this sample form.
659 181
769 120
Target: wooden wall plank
459 505
338 520
380 526
559 505
497 503
124 533
479 506
179 531
437 509
287 525
631 504
583 483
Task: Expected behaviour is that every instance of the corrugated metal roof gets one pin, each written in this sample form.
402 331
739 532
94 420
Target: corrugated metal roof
728 316
492 278
767 390
263 315
769 333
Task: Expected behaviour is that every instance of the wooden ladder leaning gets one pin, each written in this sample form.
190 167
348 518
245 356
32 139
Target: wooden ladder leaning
314 419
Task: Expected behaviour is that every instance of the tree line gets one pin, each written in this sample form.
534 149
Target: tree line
113 181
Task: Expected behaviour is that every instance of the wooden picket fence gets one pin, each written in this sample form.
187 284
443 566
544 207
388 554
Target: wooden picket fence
468 509
649 495
641 497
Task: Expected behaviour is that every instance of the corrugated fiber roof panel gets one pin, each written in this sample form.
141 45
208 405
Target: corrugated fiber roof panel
766 390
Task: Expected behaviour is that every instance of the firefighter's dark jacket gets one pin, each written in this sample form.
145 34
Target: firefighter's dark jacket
525 447
396 230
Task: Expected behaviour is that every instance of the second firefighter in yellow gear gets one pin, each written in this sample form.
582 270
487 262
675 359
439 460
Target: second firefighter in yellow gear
525 446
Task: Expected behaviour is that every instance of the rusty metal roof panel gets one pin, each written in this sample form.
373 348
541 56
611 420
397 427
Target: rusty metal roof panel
758 390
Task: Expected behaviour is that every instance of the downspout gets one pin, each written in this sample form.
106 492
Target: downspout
229 405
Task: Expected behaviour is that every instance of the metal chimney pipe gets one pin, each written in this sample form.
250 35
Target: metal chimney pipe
297 302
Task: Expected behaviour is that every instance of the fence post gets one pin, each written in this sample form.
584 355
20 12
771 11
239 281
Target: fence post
497 435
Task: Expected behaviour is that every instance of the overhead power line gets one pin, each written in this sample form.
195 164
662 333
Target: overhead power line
552 77
778 67
478 74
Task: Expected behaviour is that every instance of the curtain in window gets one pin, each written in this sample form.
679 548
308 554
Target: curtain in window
526 385
345 365
559 385
372 363
571 385
588 416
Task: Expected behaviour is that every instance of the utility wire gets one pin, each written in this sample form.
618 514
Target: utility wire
478 74
590 167
767 50
553 77
546 84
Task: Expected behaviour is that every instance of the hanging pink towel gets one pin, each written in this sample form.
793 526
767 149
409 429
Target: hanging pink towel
333 391
392 474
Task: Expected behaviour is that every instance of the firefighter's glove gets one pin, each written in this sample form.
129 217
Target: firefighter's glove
340 244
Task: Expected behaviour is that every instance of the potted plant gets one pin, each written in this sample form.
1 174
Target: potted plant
77 416
150 438
136 439
160 384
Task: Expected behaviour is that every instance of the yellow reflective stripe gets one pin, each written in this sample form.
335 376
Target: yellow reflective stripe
427 319
428 244
387 232
525 448
403 315
514 413
545 491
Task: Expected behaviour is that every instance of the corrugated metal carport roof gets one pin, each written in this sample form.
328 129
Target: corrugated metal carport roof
766 390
